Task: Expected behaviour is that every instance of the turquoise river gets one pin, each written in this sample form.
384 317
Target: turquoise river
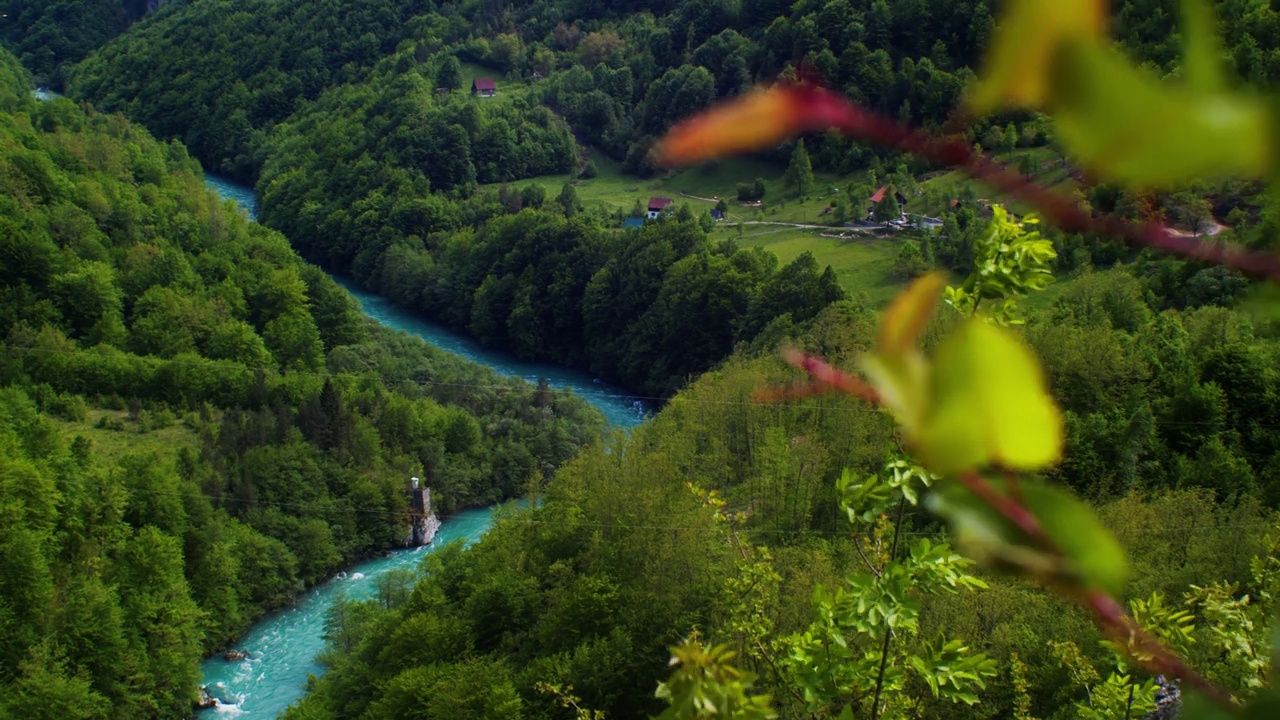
282 648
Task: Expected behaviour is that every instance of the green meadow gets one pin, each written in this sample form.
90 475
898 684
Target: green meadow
507 87
863 264
115 433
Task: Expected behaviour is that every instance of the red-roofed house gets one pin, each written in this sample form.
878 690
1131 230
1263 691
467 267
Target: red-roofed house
657 205
879 195
484 87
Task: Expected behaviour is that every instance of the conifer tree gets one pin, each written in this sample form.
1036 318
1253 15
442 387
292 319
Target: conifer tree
800 172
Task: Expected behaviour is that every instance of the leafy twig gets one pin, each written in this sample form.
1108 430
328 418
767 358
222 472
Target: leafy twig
1107 612
1153 655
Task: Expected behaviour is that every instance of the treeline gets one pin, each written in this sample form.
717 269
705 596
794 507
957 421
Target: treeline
195 424
380 151
618 74
620 560
220 78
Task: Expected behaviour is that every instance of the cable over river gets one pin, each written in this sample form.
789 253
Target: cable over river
282 647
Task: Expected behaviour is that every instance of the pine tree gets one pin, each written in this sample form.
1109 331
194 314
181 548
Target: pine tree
568 200
800 172
888 210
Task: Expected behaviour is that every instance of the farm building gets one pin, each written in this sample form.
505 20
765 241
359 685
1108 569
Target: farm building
879 195
657 205
484 87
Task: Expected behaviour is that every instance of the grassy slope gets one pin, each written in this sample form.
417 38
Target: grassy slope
951 184
131 439
507 87
863 265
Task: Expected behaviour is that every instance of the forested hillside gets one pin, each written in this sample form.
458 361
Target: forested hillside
196 424
794 532
49 36
372 157
622 561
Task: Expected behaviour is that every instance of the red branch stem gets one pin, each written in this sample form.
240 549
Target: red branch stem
866 125
1008 507
1156 657
826 378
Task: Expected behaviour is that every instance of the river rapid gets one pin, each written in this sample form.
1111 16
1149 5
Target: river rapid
282 647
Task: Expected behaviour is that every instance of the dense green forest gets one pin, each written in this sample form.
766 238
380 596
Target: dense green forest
50 37
196 424
368 154
338 114
621 560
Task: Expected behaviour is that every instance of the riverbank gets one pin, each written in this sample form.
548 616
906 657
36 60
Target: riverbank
620 407
281 648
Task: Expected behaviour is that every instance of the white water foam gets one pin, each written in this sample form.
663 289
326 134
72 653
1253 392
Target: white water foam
228 709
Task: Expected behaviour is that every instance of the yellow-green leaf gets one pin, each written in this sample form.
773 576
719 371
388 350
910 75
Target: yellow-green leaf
1202 59
989 405
1016 71
906 317
1123 124
902 380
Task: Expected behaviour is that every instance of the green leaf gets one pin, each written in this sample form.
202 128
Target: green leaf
1264 706
903 383
1202 59
990 405
906 317
1092 557
1020 55
1122 123
1072 525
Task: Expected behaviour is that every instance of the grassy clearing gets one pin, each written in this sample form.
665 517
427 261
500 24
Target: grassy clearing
613 190
863 264
114 434
610 189
954 184
701 186
507 87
